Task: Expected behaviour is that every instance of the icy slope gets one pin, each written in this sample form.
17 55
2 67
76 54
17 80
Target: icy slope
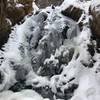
49 54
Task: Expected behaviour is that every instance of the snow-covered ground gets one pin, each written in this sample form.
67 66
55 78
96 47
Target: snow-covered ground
23 95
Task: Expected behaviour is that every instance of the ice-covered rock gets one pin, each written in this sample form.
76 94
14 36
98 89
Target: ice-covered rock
49 55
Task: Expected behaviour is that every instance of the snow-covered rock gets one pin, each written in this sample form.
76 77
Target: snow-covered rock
52 57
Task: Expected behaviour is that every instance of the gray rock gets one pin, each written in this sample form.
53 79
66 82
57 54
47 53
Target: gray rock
45 3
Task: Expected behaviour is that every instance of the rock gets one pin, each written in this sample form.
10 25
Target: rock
91 49
95 21
5 30
45 3
17 87
1 77
45 92
66 54
21 73
51 67
15 14
72 12
27 5
4 25
11 10
69 91
17 11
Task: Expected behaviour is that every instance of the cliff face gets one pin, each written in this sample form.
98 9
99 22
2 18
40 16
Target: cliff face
54 54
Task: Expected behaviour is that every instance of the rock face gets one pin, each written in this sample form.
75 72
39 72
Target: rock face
95 21
94 11
27 5
4 25
15 14
16 11
45 3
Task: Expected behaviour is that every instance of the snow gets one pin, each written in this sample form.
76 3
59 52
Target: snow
88 89
23 95
8 76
